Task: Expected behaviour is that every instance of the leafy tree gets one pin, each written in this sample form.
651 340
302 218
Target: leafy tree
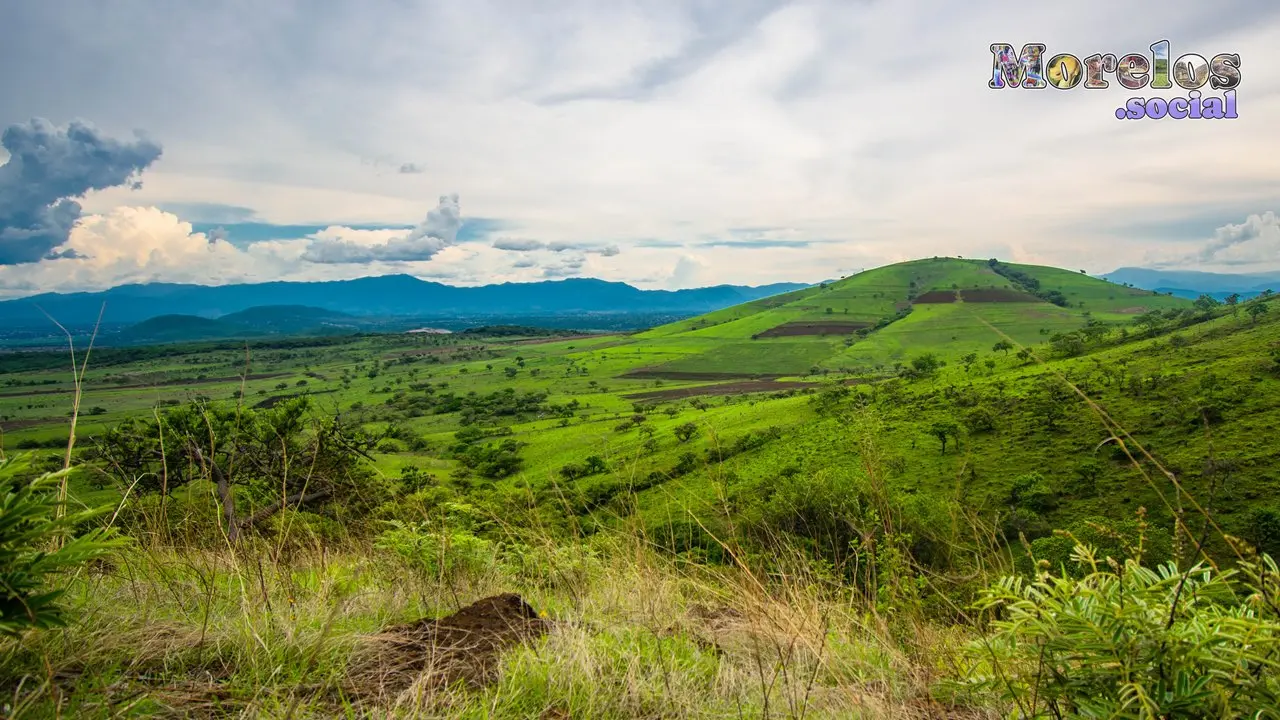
312 459
1206 304
595 464
1033 491
686 432
1262 528
1024 355
926 364
980 419
1003 346
944 429
1256 309
969 359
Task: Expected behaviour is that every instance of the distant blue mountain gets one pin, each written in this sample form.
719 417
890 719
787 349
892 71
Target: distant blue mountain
382 296
1193 283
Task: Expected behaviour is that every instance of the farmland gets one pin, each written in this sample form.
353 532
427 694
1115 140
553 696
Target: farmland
792 437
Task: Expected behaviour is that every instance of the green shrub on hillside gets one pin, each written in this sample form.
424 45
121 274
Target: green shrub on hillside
35 545
1127 641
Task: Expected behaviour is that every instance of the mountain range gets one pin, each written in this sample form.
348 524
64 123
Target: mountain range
1194 283
383 296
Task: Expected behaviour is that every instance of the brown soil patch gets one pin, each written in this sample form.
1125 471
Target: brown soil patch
644 374
995 295
793 329
1132 310
16 425
462 647
158 383
277 399
734 388
557 338
935 297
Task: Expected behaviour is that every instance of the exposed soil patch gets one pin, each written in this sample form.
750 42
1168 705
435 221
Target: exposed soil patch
277 399
734 388
995 295
556 338
158 383
16 425
1132 310
464 646
793 329
935 297
644 374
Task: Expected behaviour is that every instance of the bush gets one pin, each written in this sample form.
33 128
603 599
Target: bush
1263 529
437 553
1033 492
29 557
1128 641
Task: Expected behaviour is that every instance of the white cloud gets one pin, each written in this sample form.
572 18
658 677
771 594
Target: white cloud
869 124
346 246
1256 241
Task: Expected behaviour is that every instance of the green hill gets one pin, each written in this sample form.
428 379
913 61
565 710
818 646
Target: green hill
1010 402
178 328
868 321
295 319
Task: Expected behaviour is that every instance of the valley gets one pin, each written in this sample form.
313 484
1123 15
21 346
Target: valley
952 413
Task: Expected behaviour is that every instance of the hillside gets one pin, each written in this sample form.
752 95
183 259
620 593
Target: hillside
873 319
832 506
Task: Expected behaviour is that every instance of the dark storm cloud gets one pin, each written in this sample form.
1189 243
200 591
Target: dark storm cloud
48 167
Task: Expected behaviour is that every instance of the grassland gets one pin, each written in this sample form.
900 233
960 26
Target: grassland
809 549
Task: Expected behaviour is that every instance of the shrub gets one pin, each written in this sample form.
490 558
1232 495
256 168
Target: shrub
437 553
1127 641
1033 492
29 528
1263 529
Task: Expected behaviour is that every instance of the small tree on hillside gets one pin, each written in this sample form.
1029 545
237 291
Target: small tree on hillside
686 432
1255 310
1004 346
1206 304
969 359
943 430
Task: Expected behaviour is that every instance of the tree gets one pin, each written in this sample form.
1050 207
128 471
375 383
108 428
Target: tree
1024 354
1255 309
595 464
1206 304
1233 302
281 457
1003 346
969 359
926 364
685 432
943 430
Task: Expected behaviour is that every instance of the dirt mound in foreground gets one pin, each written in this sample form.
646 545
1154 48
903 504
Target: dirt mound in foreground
464 646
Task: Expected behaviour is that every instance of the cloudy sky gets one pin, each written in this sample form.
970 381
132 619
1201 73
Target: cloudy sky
668 144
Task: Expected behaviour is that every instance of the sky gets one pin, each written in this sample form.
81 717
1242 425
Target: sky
665 144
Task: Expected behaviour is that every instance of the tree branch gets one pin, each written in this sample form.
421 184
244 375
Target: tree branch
297 499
